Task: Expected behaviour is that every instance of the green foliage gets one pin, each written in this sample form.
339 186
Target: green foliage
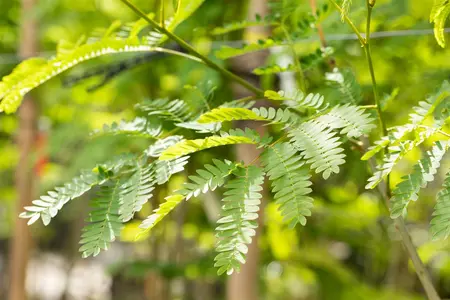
116 39
136 190
105 223
307 62
137 127
423 172
163 210
397 142
175 110
48 206
298 99
345 87
438 16
310 138
320 147
440 225
223 114
353 121
290 182
190 146
239 218
208 179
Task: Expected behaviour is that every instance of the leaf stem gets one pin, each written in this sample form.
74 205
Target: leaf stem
349 22
300 76
194 52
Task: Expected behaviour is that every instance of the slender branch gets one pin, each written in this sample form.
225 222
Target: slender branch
300 76
371 69
174 52
419 266
420 269
349 22
194 52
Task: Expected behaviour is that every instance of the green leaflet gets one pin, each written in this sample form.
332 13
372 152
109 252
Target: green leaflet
190 146
440 224
208 179
417 120
298 99
237 224
137 127
223 114
136 191
105 223
423 172
438 16
175 110
290 182
320 146
165 168
346 89
228 52
352 120
159 213
48 206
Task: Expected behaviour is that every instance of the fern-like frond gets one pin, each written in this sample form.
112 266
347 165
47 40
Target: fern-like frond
208 179
166 168
48 206
290 182
158 214
136 190
320 146
298 99
417 120
346 89
223 114
137 127
238 220
175 110
438 16
161 145
228 52
440 224
105 223
423 172
353 120
190 146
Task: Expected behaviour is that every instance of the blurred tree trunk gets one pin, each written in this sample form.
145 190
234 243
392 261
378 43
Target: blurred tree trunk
21 239
244 285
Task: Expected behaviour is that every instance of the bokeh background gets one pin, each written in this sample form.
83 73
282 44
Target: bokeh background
348 250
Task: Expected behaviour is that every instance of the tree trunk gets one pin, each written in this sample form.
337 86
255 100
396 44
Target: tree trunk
21 239
244 285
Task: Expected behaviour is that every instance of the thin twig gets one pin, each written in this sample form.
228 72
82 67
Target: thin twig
194 52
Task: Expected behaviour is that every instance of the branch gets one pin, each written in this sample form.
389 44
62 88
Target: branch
194 52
